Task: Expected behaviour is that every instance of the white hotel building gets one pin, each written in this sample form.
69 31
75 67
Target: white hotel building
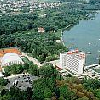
73 61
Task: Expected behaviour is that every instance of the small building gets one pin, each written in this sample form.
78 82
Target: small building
10 59
58 41
43 15
41 30
9 56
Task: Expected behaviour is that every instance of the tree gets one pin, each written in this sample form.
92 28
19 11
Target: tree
6 71
13 94
6 97
47 93
29 93
83 98
91 84
38 89
66 93
33 69
46 70
61 98
3 81
13 69
97 93
47 98
63 91
19 69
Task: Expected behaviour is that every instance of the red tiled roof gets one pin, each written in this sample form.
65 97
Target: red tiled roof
9 50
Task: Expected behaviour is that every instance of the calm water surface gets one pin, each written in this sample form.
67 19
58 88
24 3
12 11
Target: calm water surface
86 37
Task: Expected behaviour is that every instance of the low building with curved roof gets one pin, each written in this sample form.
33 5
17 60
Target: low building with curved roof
10 59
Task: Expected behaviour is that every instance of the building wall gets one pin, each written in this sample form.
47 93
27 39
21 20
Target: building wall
12 62
73 62
63 60
40 29
10 59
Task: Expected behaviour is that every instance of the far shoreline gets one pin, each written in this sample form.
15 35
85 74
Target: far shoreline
68 27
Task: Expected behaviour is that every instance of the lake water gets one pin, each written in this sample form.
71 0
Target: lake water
86 37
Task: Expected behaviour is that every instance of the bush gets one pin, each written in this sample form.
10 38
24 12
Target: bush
3 81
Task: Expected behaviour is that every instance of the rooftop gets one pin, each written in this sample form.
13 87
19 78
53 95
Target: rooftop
9 50
10 57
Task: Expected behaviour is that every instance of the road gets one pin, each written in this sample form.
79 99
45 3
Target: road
34 60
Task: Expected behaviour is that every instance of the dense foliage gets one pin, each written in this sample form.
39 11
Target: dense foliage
15 94
3 81
18 69
41 46
14 23
21 31
55 19
51 86
94 1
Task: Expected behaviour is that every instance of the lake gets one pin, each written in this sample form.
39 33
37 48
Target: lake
86 37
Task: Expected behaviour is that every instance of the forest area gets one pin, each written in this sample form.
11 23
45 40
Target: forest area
22 31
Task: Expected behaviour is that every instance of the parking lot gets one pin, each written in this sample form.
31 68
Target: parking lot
21 81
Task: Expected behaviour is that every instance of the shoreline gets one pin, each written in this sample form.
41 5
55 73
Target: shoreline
62 30
70 26
89 45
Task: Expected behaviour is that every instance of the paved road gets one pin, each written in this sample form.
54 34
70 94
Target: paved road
34 60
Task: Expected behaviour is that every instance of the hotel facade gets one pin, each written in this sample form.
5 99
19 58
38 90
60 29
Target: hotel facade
73 61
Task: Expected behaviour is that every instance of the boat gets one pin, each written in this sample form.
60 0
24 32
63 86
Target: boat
97 58
88 53
98 50
89 43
